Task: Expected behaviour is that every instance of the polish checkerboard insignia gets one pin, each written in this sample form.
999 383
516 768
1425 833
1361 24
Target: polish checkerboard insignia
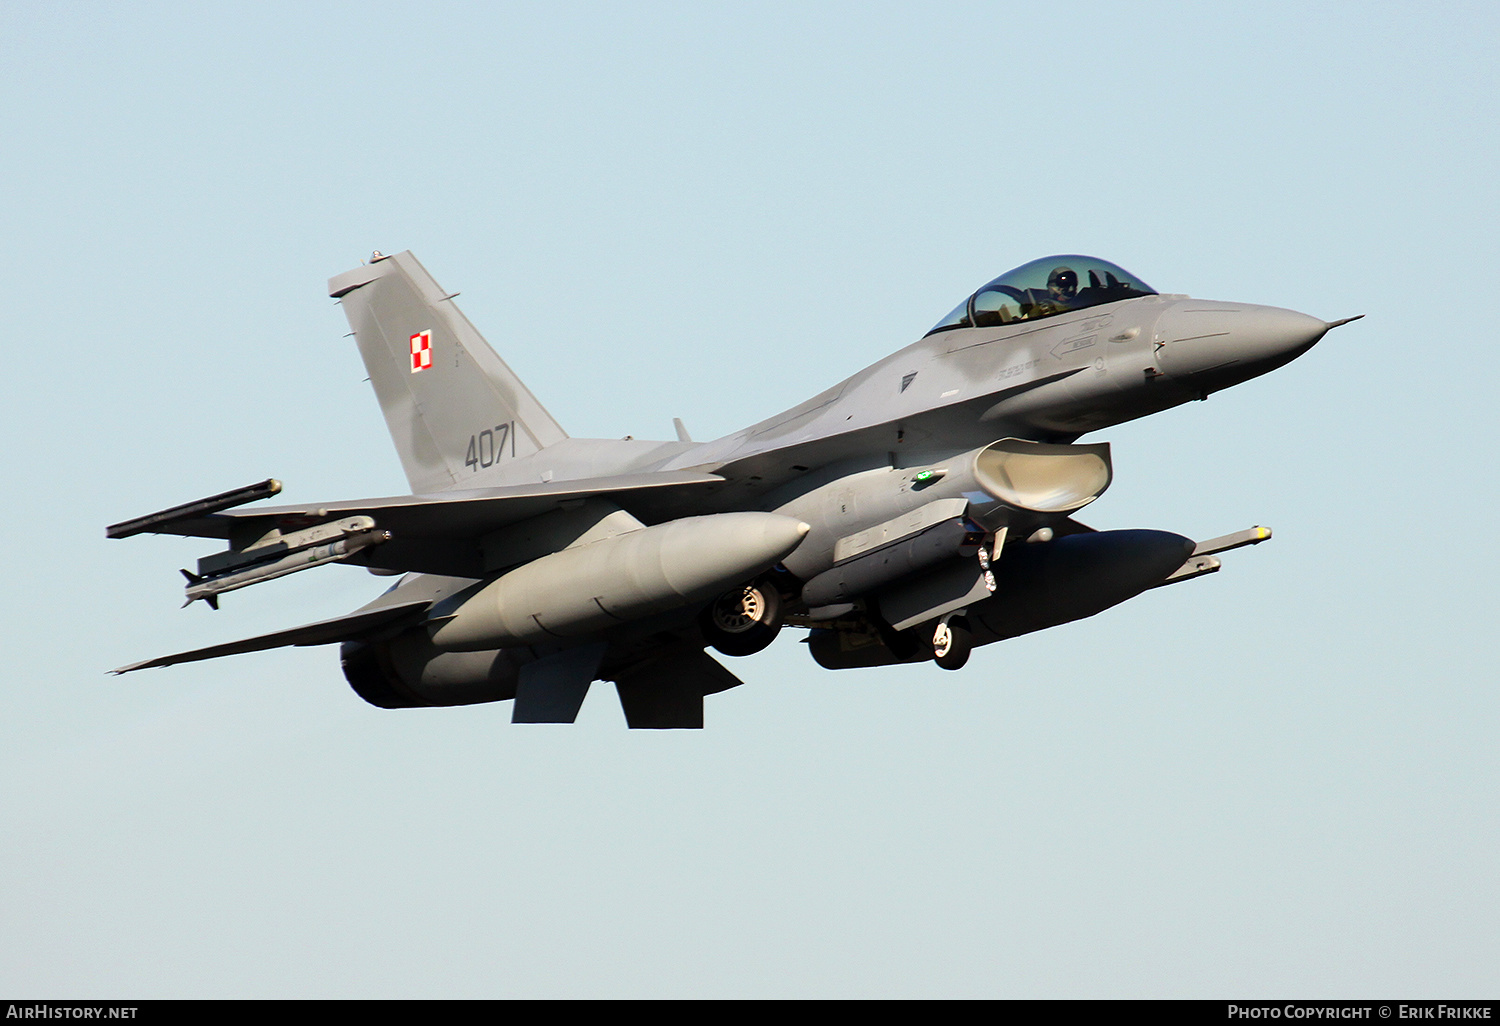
421 350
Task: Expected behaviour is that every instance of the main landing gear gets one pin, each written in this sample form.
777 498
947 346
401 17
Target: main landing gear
743 621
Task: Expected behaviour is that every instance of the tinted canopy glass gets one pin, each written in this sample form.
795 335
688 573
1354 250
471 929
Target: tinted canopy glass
1045 288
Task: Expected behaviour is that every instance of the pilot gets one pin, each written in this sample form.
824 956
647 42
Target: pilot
1062 288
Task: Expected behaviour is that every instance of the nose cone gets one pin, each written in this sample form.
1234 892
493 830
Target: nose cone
1195 337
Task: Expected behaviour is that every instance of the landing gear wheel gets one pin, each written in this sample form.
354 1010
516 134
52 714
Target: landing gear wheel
952 643
743 621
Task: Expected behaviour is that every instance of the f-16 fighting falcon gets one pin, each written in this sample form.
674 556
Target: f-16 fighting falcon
917 509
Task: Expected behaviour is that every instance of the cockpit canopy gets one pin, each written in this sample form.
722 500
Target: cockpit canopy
1045 288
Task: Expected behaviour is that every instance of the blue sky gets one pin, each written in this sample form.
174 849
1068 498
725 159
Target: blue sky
1278 780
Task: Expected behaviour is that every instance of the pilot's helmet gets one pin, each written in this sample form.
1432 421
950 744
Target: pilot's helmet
1063 282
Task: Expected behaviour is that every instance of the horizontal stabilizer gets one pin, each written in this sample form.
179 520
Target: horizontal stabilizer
324 632
465 514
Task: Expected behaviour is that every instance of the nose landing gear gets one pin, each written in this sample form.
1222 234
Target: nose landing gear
952 642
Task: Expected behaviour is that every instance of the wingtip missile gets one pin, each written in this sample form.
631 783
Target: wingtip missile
157 522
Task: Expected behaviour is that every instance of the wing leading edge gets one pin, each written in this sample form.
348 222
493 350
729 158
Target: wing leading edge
445 515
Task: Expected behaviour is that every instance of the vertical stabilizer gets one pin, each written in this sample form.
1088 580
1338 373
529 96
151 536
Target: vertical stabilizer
452 405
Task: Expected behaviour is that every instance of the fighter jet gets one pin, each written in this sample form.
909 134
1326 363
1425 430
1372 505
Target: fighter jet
922 507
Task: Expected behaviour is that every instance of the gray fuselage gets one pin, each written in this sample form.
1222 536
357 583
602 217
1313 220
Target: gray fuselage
1047 380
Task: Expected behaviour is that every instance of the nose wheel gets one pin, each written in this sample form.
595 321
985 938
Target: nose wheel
743 621
951 643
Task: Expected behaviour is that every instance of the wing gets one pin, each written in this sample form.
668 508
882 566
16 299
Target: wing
462 514
434 534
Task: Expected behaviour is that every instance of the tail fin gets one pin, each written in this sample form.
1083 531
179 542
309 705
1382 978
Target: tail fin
453 407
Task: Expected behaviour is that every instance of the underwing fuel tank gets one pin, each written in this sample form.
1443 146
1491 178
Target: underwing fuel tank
605 583
1039 585
1073 577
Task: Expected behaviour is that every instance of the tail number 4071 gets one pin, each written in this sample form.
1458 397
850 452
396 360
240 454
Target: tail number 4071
487 447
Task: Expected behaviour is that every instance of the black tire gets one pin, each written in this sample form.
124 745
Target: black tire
951 643
743 621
